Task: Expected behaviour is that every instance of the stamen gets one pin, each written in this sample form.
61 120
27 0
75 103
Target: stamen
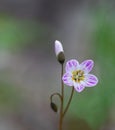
78 75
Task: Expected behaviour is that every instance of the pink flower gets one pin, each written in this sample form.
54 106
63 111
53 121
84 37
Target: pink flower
77 75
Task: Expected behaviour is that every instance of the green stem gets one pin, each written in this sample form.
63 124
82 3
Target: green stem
68 104
55 94
62 101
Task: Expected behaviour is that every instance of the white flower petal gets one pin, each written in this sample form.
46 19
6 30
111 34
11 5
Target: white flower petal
67 79
79 87
91 80
72 65
87 66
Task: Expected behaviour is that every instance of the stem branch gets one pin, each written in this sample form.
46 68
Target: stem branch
68 104
55 94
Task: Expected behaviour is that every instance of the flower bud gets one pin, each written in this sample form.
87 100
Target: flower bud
59 52
54 107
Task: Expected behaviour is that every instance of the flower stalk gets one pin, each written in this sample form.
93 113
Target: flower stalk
69 102
62 101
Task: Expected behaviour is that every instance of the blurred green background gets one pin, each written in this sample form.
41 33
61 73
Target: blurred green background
30 73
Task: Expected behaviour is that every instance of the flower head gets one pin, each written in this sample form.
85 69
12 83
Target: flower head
59 51
77 75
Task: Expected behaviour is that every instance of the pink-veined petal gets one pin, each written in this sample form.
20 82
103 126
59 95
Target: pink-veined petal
79 87
72 65
87 65
67 79
91 80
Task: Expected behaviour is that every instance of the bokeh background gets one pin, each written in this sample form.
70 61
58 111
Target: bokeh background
30 73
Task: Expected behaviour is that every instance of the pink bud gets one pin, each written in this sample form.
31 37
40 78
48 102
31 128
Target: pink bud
59 52
58 47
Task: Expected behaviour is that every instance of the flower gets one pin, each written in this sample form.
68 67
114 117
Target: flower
59 51
77 75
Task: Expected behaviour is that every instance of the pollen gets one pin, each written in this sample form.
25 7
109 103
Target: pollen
78 76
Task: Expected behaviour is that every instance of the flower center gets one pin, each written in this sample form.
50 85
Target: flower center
78 75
